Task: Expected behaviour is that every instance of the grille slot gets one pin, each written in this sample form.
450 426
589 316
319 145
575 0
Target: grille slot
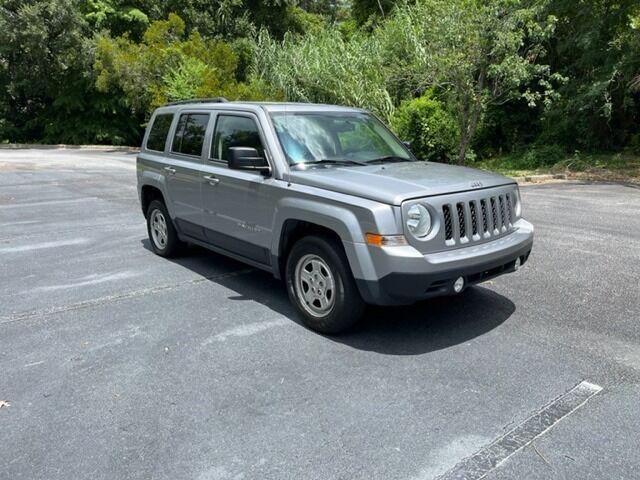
503 215
448 224
461 221
494 213
485 223
509 208
474 218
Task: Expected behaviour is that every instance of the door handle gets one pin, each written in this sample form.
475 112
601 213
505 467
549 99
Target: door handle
212 180
171 170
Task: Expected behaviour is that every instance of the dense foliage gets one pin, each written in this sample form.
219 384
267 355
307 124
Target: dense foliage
460 79
431 131
167 65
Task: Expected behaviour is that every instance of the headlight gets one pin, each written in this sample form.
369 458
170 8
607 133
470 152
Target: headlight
418 220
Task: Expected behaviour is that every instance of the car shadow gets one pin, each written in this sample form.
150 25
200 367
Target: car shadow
430 325
425 327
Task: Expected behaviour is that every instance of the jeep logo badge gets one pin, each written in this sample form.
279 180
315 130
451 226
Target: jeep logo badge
476 184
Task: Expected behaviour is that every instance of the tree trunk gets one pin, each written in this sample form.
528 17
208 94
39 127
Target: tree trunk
471 125
470 117
464 144
464 129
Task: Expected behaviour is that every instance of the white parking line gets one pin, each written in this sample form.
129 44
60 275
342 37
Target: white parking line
39 246
23 222
48 202
92 279
246 330
34 364
95 302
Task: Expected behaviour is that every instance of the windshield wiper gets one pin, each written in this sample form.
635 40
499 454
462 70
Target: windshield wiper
390 158
331 161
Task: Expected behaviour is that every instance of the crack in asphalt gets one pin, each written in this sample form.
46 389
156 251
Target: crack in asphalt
16 317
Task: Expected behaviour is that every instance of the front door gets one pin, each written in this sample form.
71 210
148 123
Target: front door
238 205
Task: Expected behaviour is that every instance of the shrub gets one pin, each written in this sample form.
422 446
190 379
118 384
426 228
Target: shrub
432 131
540 156
634 143
533 157
323 67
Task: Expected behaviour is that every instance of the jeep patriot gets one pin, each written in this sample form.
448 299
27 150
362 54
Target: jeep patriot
327 199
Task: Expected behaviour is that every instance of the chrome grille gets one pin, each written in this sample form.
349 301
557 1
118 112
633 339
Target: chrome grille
478 219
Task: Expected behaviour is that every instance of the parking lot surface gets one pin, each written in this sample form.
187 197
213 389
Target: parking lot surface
118 364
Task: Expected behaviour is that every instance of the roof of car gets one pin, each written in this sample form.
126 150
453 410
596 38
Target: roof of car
302 107
267 106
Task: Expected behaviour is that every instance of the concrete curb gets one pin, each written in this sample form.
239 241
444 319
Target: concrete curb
38 146
540 178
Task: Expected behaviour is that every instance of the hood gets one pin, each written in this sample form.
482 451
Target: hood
393 183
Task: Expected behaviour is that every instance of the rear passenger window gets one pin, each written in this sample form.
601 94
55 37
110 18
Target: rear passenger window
235 131
189 136
159 131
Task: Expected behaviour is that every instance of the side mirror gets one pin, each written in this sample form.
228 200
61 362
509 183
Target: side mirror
247 158
407 144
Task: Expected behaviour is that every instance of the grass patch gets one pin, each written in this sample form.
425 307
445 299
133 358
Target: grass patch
549 160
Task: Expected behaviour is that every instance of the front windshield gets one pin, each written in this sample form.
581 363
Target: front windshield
353 136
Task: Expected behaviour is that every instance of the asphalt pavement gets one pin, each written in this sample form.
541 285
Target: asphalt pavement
118 364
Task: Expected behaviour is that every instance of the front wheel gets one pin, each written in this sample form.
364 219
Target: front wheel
320 285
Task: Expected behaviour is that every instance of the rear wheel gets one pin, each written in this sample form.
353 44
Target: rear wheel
162 234
320 285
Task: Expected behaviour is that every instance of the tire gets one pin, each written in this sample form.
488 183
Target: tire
326 269
164 241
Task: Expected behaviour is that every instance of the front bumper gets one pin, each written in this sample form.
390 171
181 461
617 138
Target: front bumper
410 276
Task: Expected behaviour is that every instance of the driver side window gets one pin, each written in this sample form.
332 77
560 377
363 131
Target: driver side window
234 131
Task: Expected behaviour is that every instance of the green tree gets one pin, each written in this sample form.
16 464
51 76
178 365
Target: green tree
597 47
47 88
227 19
475 53
169 65
364 11
116 16
39 45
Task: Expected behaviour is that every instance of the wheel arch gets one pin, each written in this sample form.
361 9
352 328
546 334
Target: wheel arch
149 193
304 218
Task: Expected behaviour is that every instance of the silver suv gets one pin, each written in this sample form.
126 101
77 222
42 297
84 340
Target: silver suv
327 198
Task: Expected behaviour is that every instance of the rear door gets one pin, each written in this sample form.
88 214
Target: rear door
238 204
184 170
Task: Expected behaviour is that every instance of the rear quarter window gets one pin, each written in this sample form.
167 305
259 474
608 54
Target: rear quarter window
190 132
159 131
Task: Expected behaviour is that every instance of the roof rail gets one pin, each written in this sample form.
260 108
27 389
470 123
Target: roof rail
199 100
